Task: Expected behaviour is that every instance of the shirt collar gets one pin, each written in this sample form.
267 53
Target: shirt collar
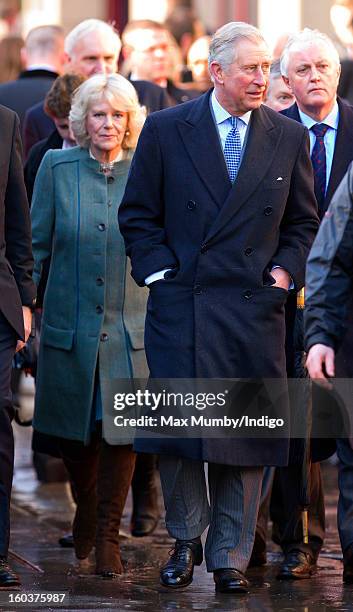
221 114
41 67
331 119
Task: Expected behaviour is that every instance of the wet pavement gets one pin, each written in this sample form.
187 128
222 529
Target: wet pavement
41 513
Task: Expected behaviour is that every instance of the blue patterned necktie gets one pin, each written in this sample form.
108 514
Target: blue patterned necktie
318 158
232 149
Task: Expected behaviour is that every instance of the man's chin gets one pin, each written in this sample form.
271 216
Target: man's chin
254 102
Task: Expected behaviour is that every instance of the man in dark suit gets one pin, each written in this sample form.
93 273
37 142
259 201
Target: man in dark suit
92 47
310 67
17 294
215 286
44 59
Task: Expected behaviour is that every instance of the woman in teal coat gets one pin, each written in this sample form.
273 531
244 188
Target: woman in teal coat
93 317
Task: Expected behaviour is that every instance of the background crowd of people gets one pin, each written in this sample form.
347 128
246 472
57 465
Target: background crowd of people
235 127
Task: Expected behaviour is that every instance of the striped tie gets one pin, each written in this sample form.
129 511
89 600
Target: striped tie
232 149
318 158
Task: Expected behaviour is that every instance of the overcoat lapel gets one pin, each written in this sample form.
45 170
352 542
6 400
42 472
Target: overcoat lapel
202 144
343 153
261 147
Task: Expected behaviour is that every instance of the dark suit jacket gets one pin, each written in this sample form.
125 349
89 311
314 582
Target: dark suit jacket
36 154
37 125
178 95
16 263
218 316
30 87
343 155
345 86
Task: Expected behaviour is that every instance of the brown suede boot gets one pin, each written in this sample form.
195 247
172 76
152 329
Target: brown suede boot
82 464
116 467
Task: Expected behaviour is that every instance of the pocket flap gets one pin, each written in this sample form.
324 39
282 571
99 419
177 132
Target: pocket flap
137 338
58 338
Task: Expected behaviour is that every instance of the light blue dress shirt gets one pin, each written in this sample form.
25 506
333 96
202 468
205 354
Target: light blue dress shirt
331 120
223 121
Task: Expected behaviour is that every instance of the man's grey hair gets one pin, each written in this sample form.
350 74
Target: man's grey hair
89 26
275 72
303 39
223 46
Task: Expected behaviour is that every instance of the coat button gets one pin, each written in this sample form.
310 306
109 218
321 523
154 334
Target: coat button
104 337
101 227
191 205
100 281
268 210
99 309
249 251
110 179
204 248
247 294
197 289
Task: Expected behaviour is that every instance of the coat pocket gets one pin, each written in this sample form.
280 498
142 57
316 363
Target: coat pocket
57 338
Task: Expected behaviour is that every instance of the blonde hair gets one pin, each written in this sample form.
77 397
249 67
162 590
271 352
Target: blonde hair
116 90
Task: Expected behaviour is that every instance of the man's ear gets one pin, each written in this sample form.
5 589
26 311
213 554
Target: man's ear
24 57
286 81
217 72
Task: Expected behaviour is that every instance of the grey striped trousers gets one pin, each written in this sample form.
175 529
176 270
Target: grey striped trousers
231 512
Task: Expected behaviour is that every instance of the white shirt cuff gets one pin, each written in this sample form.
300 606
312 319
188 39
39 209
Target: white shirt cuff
156 276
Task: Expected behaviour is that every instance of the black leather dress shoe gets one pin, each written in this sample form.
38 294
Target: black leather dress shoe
230 581
8 578
179 570
297 565
66 541
348 565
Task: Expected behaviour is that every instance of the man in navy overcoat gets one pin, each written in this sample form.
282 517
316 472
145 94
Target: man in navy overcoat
218 217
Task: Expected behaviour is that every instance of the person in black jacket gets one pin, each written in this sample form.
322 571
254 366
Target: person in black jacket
311 68
92 47
44 59
148 51
17 295
328 301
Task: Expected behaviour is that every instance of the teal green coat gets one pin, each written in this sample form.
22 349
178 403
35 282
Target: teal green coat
93 314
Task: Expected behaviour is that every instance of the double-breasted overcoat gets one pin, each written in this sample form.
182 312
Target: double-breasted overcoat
218 316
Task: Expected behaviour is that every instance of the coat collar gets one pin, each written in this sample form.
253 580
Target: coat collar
261 147
343 153
201 140
292 112
38 73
